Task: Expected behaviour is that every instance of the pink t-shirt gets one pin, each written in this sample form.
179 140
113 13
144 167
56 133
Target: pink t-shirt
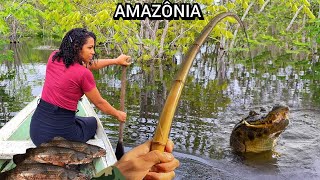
63 86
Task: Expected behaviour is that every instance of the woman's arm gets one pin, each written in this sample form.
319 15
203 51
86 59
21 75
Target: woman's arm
101 63
95 97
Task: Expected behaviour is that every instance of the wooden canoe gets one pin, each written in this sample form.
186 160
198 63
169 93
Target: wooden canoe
15 137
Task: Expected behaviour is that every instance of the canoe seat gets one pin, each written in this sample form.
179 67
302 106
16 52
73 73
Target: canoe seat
10 148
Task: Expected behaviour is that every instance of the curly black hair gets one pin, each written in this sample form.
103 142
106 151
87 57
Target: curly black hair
71 46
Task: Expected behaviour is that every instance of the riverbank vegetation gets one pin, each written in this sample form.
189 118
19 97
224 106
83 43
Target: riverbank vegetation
287 28
292 25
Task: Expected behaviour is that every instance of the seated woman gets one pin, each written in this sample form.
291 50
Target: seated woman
67 79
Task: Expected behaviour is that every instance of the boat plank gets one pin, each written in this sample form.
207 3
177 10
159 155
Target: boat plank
110 157
11 127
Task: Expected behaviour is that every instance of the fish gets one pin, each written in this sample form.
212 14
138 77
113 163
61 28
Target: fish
53 155
57 159
42 171
92 150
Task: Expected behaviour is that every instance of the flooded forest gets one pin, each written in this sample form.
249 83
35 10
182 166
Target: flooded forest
277 63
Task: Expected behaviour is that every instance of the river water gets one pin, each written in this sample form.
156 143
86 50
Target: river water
218 93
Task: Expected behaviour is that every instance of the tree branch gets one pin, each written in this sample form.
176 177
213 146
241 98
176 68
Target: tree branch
238 25
163 36
263 6
294 18
176 38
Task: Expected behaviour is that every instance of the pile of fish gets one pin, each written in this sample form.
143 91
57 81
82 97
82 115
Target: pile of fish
57 159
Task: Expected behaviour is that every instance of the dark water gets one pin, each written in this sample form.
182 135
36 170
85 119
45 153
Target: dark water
218 93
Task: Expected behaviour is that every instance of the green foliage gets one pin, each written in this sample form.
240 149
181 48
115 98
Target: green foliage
8 75
18 18
313 27
5 54
266 23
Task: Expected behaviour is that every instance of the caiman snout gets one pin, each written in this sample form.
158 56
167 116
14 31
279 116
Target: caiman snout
258 132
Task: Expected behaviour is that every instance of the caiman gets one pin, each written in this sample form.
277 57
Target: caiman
258 132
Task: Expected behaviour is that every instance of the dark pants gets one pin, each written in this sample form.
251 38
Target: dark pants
49 121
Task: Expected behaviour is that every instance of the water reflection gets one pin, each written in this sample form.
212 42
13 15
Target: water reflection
25 82
218 93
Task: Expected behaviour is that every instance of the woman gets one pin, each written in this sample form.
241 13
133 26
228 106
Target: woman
67 78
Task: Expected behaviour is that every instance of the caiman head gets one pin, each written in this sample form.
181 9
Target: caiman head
258 132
